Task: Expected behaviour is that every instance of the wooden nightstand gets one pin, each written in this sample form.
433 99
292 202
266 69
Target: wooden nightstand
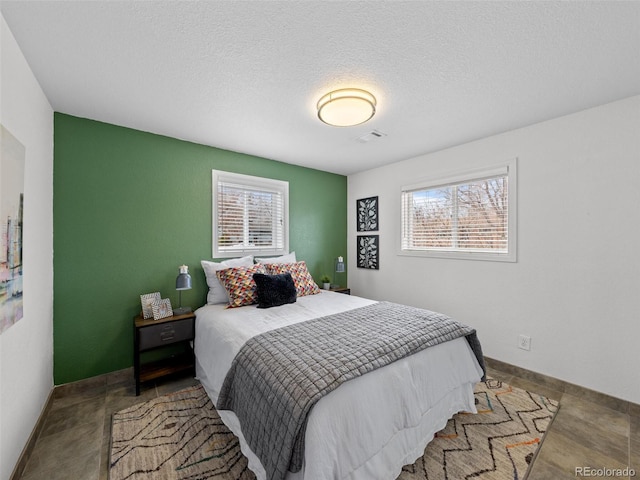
345 290
151 334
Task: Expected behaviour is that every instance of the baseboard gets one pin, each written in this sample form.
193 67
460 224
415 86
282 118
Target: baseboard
18 470
94 382
560 386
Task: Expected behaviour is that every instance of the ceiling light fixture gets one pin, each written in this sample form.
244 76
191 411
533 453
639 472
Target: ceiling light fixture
346 107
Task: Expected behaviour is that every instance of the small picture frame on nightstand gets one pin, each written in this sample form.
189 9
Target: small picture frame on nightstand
162 309
147 300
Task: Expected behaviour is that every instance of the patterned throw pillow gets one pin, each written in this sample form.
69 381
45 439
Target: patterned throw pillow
217 293
239 284
301 276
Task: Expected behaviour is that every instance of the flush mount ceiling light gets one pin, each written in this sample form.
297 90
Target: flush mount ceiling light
346 107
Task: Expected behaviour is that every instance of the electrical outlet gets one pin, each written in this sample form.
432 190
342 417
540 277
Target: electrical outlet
524 342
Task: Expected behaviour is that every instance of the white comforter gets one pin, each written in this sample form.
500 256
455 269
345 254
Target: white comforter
369 427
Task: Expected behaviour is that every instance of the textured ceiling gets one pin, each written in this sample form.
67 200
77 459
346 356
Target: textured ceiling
245 76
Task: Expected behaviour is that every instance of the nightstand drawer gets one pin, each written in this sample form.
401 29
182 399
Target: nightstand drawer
166 333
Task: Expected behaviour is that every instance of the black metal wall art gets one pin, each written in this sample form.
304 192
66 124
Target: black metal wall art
368 247
367 209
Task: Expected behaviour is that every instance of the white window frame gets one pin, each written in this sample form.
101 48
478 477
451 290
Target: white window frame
510 169
259 184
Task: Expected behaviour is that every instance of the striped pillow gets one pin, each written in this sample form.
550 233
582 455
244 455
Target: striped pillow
301 277
239 284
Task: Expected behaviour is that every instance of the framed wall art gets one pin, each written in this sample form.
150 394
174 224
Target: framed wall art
368 250
367 212
11 207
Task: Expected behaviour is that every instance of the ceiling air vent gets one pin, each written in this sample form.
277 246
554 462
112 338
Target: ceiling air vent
372 135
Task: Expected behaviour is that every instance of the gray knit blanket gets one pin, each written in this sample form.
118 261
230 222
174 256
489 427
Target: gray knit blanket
277 377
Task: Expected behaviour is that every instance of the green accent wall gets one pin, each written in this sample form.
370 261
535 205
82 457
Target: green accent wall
130 207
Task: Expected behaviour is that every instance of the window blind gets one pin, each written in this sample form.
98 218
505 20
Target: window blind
249 215
463 216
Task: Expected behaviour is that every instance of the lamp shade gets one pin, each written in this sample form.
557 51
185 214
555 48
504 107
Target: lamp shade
183 281
346 107
340 265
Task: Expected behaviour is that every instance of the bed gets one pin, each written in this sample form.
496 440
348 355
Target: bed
368 427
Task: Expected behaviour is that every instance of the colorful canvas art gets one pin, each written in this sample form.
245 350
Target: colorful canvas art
11 227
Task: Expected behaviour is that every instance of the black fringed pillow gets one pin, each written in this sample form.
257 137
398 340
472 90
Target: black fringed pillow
275 290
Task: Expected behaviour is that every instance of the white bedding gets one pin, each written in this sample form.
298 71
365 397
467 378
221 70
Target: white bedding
369 427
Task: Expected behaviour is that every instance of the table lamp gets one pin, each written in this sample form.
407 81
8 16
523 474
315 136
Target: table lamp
339 266
183 282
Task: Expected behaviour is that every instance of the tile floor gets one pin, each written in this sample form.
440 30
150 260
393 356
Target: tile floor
73 442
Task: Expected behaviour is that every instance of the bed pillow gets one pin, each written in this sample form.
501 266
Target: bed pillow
217 293
274 290
239 284
288 258
301 277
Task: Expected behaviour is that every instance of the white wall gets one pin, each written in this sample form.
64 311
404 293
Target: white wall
26 348
575 288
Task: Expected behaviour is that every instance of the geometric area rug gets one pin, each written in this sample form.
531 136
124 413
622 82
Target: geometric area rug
497 443
174 437
180 436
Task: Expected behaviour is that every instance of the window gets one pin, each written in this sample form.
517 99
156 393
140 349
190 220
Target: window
250 215
471 216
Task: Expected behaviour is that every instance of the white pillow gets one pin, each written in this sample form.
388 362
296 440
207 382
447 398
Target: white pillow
217 293
288 258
